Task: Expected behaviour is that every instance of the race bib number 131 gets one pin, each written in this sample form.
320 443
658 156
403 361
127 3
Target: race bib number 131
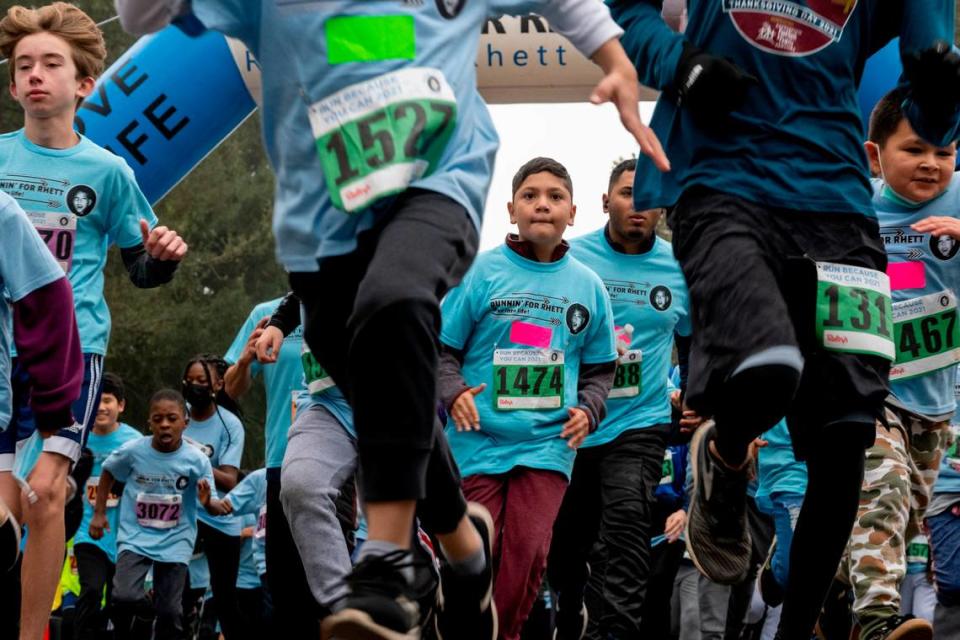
376 137
854 310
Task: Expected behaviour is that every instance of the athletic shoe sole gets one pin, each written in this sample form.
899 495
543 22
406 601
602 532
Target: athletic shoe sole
9 538
353 624
735 563
480 517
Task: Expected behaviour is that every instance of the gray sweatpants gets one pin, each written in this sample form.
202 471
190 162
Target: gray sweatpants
699 605
321 456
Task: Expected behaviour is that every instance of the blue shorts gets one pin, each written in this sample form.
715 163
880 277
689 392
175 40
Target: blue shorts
68 441
945 547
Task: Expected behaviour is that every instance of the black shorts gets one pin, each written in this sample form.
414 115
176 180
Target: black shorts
752 279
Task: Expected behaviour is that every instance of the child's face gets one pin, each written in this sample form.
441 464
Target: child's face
618 204
542 209
167 422
109 411
912 167
197 375
45 77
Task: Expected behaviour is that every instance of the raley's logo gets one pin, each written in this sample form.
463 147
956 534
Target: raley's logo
790 28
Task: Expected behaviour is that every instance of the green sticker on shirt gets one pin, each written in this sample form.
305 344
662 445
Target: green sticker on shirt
370 38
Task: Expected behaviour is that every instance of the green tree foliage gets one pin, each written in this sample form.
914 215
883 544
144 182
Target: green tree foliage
223 210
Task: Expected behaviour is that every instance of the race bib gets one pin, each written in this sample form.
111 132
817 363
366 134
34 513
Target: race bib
159 511
527 379
926 333
853 311
112 500
666 476
317 378
59 232
260 531
952 454
376 137
627 381
918 551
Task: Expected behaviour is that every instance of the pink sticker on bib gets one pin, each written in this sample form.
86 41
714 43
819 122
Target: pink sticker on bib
907 275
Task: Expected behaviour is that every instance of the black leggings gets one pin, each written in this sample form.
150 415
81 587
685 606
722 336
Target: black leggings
223 556
835 472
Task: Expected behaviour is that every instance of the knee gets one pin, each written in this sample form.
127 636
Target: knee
762 387
129 596
170 609
414 314
299 488
50 492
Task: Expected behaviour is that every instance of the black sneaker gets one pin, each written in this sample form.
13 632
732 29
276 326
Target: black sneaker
381 604
902 628
9 538
717 537
571 620
466 610
771 591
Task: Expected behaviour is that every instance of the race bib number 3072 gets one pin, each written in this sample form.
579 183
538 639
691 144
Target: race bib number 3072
376 137
853 311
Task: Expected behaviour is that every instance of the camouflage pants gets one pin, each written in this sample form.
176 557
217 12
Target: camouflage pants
901 469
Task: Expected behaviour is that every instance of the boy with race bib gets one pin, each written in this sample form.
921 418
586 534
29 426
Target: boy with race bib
384 153
165 481
528 360
600 555
917 200
97 559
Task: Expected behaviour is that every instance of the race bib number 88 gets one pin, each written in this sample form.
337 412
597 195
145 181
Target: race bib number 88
527 379
853 311
627 381
376 137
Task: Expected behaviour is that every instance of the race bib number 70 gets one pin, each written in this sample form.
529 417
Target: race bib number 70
378 136
853 312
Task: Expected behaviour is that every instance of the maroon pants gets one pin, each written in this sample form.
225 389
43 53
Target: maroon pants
524 503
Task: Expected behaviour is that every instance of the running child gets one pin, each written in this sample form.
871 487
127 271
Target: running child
375 231
918 205
528 360
97 559
165 481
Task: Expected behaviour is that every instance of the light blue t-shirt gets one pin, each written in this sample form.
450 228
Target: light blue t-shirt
647 291
283 380
249 499
220 437
25 266
158 510
933 270
199 570
332 57
779 471
102 446
525 328
82 200
248 576
949 479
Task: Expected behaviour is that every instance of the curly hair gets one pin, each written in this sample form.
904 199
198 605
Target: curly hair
63 20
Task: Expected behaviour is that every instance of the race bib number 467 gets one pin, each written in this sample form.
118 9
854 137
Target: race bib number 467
853 311
927 335
376 137
528 379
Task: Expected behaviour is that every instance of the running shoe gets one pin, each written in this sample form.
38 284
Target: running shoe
9 538
380 605
902 628
717 537
771 591
466 610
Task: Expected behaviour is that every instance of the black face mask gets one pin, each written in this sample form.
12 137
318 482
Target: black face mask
198 395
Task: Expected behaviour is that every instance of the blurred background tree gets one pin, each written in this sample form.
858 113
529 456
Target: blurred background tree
223 210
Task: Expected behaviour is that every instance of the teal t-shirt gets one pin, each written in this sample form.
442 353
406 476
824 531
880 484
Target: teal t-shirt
779 471
525 327
925 282
158 509
330 78
949 479
220 437
249 500
283 380
101 446
647 291
248 576
25 266
82 200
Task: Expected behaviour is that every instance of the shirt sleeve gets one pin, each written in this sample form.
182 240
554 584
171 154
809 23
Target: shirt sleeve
234 18
240 340
600 345
233 450
120 461
128 207
205 472
140 17
684 326
243 497
585 23
649 41
458 315
26 264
